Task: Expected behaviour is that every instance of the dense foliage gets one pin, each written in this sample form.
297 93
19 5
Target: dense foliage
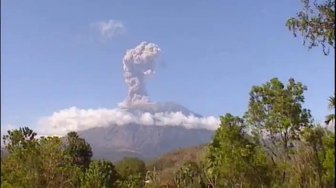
132 172
234 160
33 162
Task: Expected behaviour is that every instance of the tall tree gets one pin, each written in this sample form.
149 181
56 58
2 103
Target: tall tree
132 172
276 117
56 165
190 175
35 162
79 149
233 159
19 138
316 23
318 145
275 113
99 174
21 167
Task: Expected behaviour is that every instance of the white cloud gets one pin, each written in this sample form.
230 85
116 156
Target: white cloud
75 119
146 119
109 29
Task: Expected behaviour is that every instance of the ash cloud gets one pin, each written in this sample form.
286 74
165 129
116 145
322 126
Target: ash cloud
138 64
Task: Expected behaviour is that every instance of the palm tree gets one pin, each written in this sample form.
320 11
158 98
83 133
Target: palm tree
331 106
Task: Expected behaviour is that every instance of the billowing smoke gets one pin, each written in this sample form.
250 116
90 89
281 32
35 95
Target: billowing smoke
139 63
74 119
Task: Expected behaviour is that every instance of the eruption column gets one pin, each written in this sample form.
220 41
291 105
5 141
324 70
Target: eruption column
139 63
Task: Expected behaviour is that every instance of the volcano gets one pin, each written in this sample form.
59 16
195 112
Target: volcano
114 142
137 127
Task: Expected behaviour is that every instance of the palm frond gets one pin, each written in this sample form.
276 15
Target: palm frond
331 104
329 118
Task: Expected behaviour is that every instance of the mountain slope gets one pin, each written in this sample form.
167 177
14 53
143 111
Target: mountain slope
114 141
145 142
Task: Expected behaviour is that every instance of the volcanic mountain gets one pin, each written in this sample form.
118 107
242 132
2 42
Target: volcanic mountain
113 142
137 127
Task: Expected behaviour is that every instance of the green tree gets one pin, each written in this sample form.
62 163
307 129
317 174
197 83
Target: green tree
314 153
79 149
100 174
318 149
190 175
132 172
328 164
56 167
275 114
21 138
35 162
233 160
316 23
21 166
276 118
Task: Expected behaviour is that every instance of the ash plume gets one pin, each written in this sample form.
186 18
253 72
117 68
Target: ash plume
139 63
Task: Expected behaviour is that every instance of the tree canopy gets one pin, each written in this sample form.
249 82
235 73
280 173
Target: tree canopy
316 23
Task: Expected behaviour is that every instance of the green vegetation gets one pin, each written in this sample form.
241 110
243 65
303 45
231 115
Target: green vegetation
233 159
132 172
316 22
166 166
100 174
275 144
32 162
78 149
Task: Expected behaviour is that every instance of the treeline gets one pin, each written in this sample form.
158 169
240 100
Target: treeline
52 162
275 144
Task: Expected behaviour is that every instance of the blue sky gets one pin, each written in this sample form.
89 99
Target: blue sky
53 55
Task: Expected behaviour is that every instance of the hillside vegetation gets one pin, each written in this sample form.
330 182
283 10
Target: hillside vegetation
168 164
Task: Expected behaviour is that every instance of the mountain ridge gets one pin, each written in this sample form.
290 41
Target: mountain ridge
142 141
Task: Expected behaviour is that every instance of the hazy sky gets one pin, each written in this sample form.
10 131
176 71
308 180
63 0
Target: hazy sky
59 54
